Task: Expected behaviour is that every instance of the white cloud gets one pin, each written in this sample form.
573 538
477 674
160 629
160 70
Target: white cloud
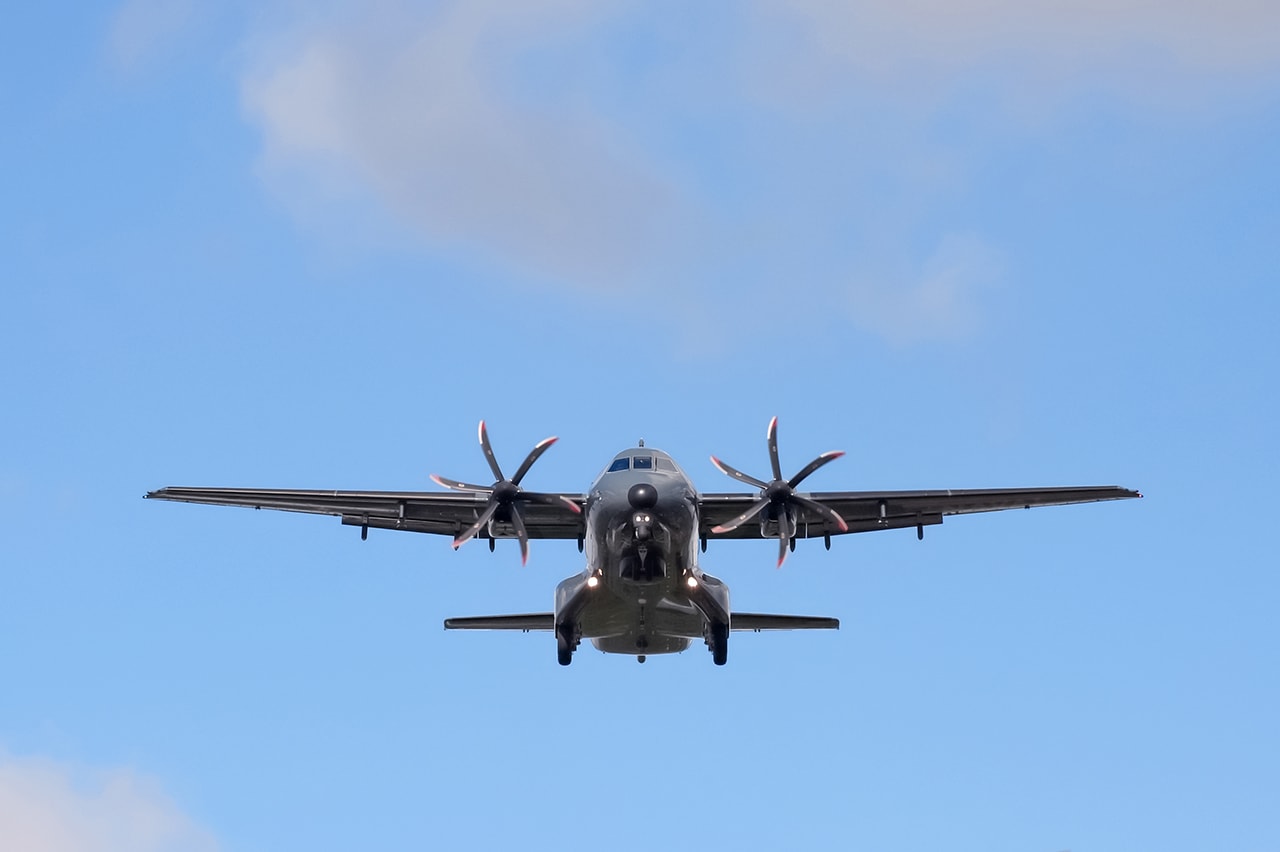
51 807
1081 36
525 135
415 108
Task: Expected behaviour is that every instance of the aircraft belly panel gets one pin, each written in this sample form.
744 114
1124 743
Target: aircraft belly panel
627 644
622 625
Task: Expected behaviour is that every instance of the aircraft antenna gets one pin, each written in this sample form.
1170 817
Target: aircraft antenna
642 442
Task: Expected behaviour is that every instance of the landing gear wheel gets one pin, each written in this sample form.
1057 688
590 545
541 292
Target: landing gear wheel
564 645
719 644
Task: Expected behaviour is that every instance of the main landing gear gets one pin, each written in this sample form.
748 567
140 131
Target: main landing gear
718 642
566 641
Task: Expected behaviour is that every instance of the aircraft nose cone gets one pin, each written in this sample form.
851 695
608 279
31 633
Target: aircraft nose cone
642 495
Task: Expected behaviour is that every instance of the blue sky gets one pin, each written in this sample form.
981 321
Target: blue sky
972 244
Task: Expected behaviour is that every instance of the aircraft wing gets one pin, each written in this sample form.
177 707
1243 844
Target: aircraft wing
865 511
442 513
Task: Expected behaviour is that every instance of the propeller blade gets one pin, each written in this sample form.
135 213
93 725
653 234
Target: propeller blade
533 456
488 454
470 532
783 542
522 534
814 465
734 473
445 482
773 448
756 508
819 509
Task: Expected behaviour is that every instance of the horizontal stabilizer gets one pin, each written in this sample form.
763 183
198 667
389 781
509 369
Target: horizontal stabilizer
757 622
531 621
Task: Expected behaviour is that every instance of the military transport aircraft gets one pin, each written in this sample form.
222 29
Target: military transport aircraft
640 527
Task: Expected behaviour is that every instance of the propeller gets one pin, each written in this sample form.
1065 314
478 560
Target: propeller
780 494
505 495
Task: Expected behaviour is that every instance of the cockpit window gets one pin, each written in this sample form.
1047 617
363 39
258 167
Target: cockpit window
665 464
642 462
619 464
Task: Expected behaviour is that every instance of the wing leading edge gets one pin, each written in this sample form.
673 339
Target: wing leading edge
865 511
415 511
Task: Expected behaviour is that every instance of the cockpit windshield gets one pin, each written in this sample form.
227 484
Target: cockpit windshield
643 462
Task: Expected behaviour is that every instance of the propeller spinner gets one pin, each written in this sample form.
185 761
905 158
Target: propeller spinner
780 494
505 495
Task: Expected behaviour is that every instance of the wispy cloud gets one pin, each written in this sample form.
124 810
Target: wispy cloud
942 299
51 807
416 109
144 29
1084 37
600 149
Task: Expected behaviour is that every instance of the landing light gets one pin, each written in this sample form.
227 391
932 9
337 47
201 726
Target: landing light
593 581
693 582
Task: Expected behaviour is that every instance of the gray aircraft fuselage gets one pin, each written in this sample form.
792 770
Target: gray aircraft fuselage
642 591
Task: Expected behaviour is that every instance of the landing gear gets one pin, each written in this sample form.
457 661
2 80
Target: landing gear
566 642
718 639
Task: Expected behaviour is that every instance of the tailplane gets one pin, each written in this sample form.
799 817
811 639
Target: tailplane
756 622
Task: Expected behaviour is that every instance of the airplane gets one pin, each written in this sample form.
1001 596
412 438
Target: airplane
641 528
